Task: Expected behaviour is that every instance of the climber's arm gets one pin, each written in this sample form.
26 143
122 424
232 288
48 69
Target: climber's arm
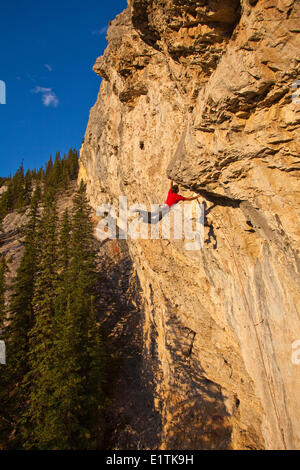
171 184
192 198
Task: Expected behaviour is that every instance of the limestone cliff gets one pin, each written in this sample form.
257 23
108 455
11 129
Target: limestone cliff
201 91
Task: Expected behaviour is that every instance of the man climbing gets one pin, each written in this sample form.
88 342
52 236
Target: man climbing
172 199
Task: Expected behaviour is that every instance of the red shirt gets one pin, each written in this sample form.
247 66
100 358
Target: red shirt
173 198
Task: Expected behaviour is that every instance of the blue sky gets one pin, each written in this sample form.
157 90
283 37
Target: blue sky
47 50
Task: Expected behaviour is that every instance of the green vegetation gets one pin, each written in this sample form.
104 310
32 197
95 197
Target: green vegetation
20 187
51 390
20 320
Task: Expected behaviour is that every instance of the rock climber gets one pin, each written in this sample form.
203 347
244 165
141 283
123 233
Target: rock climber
173 196
172 199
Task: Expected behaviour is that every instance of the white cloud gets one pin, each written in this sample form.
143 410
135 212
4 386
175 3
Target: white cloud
101 31
49 98
48 67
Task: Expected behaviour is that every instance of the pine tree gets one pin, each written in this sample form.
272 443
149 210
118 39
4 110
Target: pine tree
57 171
18 187
83 279
7 201
51 392
16 336
64 256
49 167
39 176
72 163
18 192
28 187
64 242
78 353
39 379
20 311
37 195
65 176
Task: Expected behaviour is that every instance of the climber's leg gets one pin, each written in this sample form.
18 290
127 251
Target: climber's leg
163 210
153 217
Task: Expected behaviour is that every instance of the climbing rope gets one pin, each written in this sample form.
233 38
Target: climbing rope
270 387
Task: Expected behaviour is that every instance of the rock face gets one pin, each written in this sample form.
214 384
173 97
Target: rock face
202 92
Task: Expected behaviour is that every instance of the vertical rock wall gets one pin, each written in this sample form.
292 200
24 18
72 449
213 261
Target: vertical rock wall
201 91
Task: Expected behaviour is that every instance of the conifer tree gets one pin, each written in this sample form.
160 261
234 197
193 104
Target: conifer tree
39 176
49 167
65 176
83 279
51 391
28 187
64 256
20 311
72 163
57 171
16 335
18 192
39 380
7 201
64 242
83 260
18 187
78 353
